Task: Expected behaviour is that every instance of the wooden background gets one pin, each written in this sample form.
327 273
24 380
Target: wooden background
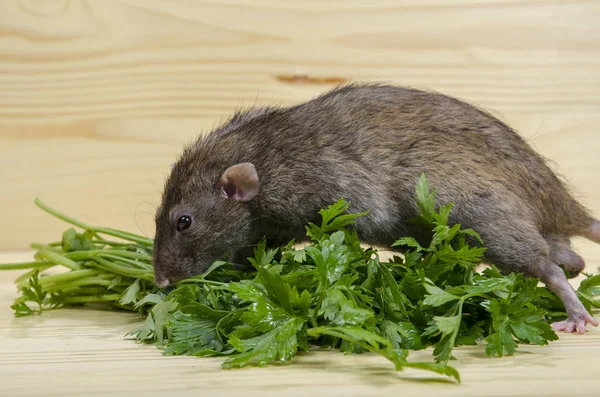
98 97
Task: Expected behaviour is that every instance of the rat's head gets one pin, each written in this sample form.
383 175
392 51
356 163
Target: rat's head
204 214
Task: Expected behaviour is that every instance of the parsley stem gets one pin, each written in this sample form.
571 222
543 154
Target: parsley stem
91 254
24 278
193 280
96 229
108 242
64 287
313 319
122 270
24 265
92 299
68 276
138 264
38 246
57 258
60 277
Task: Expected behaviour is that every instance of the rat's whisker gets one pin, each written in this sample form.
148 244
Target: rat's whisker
134 218
163 256
258 218
151 204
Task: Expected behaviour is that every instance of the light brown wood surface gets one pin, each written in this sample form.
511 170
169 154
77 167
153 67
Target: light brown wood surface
98 97
84 353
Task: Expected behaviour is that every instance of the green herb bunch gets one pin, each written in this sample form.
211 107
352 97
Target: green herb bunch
100 269
332 293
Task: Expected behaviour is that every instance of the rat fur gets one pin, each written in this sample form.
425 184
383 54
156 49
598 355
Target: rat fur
267 172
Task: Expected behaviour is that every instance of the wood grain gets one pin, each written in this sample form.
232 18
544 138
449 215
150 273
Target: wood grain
98 97
83 352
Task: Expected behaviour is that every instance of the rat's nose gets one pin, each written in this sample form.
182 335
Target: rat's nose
161 282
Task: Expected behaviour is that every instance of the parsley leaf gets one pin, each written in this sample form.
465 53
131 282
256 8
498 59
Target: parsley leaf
517 320
334 293
277 345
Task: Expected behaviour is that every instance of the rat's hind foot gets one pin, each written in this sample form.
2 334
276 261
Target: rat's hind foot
575 324
554 278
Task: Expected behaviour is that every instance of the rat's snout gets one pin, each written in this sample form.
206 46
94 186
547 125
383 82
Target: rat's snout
168 271
161 281
163 267
165 274
175 259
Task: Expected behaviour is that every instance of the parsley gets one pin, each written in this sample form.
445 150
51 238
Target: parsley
32 292
100 269
333 293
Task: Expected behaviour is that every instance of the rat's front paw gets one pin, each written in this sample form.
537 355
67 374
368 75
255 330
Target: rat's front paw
575 323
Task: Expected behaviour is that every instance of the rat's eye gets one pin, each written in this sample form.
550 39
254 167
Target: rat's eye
184 222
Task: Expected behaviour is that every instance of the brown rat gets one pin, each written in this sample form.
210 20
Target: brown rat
268 171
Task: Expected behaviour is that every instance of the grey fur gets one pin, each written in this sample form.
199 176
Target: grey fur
369 144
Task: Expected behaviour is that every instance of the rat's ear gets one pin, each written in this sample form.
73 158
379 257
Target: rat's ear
239 182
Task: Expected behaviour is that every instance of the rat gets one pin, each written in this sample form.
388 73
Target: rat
267 172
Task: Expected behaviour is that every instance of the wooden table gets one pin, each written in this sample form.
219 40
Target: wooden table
98 97
72 352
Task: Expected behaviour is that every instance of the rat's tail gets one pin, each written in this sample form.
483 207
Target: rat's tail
592 232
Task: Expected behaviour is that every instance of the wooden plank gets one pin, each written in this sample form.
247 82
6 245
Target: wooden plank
98 97
83 352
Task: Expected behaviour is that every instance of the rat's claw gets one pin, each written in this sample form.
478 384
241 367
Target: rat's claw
565 326
578 324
